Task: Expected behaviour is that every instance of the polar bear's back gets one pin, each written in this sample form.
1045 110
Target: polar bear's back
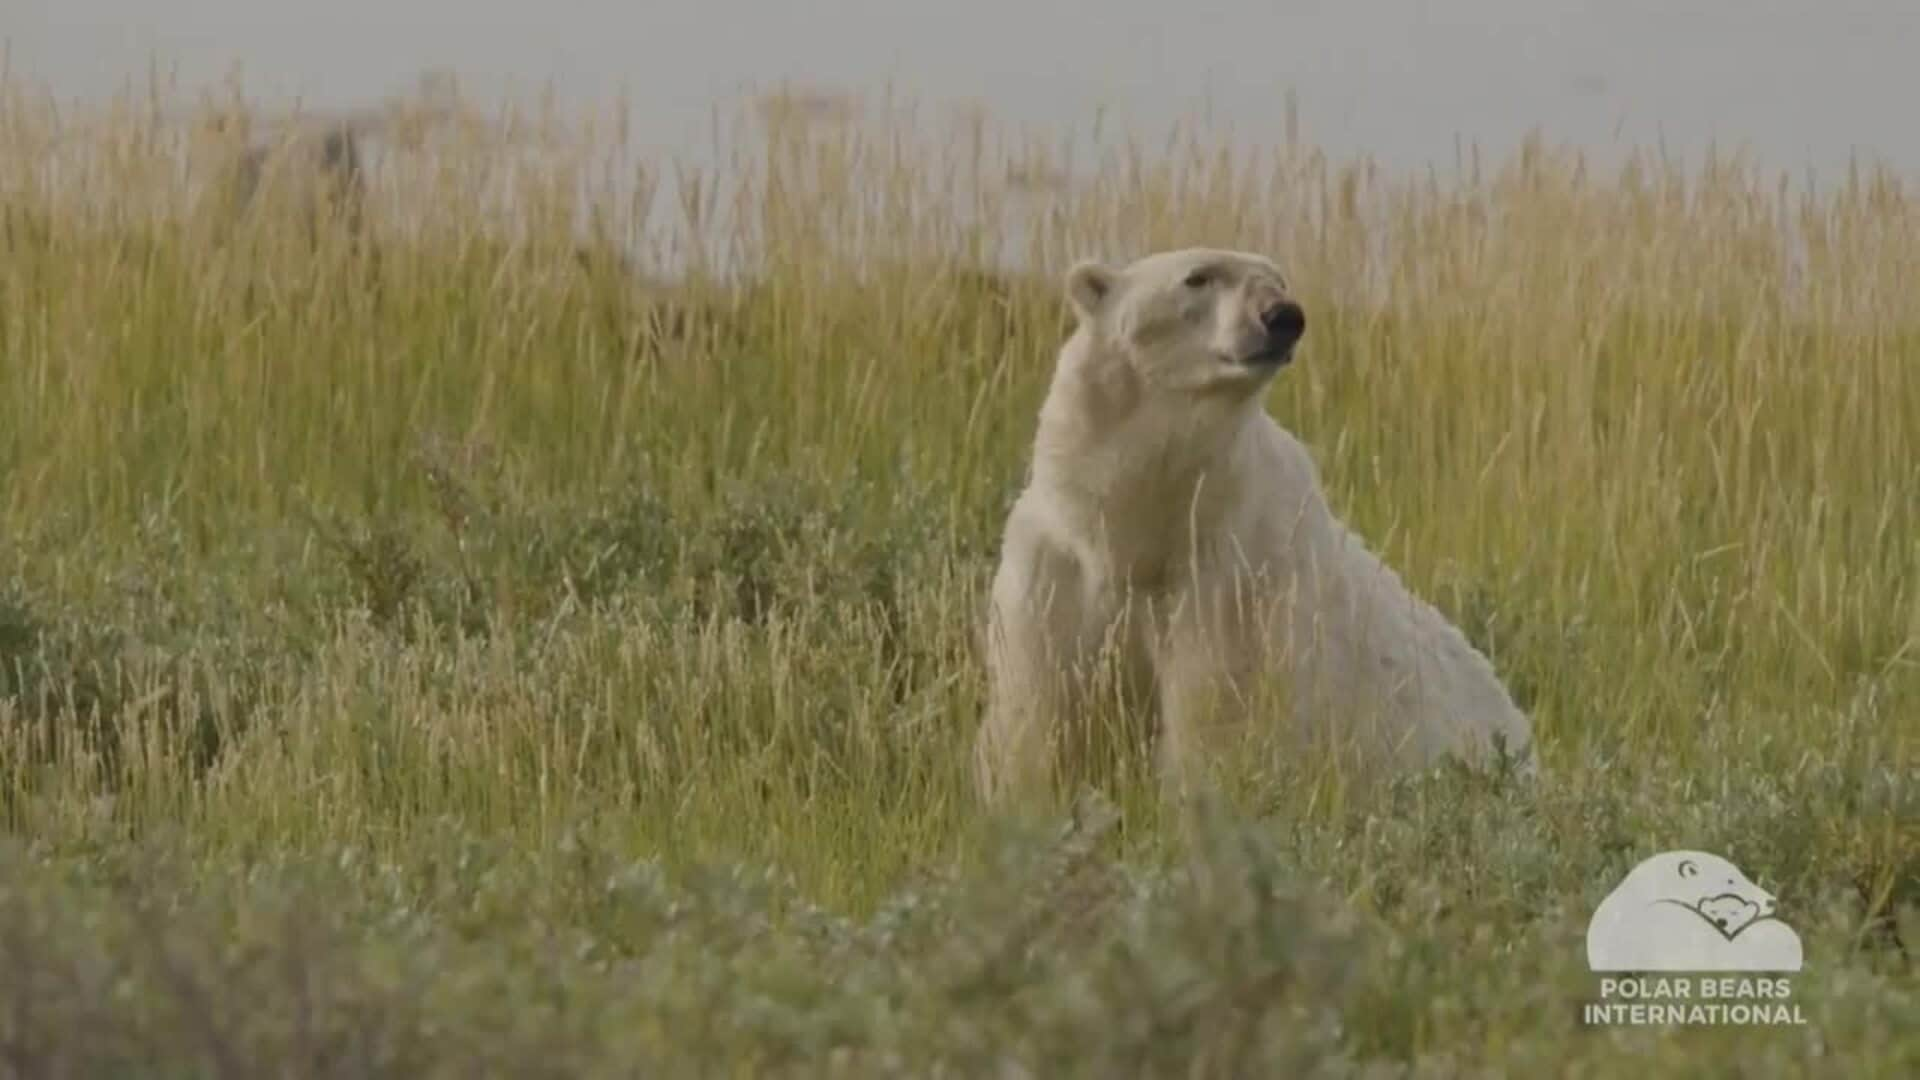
1376 645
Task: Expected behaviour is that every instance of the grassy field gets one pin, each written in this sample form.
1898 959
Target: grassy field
453 653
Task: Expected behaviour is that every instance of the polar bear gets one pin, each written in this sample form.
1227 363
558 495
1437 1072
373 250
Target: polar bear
1689 911
1173 545
1729 913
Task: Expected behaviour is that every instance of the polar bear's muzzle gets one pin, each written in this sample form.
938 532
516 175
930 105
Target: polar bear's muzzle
1285 324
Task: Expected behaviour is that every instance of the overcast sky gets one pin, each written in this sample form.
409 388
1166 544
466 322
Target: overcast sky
1802 83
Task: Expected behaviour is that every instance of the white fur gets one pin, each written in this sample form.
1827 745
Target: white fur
1690 911
1171 526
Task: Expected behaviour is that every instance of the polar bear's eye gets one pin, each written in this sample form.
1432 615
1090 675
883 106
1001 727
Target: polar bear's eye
1199 279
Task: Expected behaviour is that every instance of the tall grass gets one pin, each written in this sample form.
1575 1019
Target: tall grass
537 634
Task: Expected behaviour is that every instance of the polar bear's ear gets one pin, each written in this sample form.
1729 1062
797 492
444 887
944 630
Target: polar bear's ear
1089 285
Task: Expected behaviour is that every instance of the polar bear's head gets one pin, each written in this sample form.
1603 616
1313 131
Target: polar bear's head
1707 885
1694 878
1730 912
1191 320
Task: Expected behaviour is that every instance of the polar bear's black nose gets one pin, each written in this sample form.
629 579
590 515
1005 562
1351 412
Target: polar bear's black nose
1285 322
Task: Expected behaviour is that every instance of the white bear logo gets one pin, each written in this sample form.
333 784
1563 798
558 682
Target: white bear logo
1689 911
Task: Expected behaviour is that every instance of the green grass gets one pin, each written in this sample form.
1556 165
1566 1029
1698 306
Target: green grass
452 656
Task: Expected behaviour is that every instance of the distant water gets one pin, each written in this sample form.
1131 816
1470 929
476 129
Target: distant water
1804 84
1806 87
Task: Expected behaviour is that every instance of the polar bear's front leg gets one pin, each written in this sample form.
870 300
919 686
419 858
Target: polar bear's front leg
1209 657
1036 651
1196 699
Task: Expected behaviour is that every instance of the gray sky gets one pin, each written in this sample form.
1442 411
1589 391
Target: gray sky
1802 83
